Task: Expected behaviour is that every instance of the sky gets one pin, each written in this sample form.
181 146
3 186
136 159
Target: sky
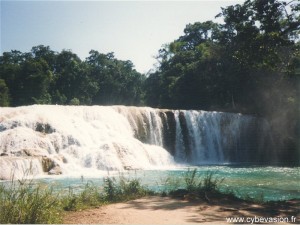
133 30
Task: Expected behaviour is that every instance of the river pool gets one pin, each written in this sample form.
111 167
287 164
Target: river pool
269 183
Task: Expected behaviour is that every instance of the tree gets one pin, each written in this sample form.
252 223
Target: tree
258 41
35 79
118 82
4 96
10 69
72 80
45 53
188 70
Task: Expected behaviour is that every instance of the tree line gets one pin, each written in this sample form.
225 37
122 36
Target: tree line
249 63
43 76
238 65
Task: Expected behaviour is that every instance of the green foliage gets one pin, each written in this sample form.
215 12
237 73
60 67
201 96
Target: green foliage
91 196
119 82
24 202
211 183
43 76
192 182
74 101
111 190
247 64
4 96
70 202
194 185
230 66
123 189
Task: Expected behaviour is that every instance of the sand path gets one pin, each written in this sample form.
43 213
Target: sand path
164 210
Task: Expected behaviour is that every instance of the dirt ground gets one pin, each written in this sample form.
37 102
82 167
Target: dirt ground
165 210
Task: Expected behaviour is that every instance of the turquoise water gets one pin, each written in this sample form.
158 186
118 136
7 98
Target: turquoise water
271 183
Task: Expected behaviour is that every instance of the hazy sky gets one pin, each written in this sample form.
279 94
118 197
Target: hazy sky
133 30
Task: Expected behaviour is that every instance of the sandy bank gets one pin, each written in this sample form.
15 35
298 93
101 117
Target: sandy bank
165 210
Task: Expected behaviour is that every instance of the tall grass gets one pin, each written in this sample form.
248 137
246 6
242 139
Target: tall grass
90 196
123 189
197 185
24 202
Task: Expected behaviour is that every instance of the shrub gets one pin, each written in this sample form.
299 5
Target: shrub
111 191
192 182
89 197
196 186
70 201
123 189
74 101
211 183
24 202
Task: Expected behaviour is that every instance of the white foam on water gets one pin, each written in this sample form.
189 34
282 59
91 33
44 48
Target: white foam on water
90 139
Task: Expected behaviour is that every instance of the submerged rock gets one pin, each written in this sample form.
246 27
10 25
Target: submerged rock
55 170
48 164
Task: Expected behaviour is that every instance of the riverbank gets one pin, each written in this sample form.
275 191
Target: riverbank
127 201
166 210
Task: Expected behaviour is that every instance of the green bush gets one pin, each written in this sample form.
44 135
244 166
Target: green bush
211 183
74 101
193 184
24 202
89 197
123 189
111 191
70 202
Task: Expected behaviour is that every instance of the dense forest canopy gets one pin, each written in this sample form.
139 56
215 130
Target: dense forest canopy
249 63
43 76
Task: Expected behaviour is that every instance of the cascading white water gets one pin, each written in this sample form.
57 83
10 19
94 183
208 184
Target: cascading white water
77 138
88 139
179 144
216 137
14 167
145 122
204 130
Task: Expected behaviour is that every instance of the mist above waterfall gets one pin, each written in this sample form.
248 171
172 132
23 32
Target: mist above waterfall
88 139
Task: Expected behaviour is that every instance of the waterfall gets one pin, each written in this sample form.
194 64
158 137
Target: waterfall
88 139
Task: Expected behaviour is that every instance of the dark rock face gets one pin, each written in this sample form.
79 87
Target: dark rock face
51 167
48 164
169 130
55 171
44 128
